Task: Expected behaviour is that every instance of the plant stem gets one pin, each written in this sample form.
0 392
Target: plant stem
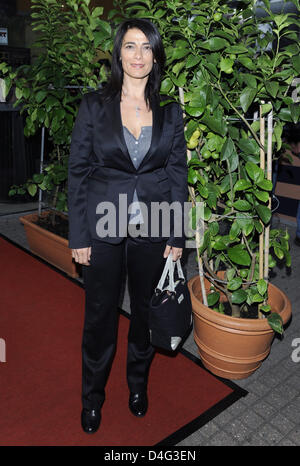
253 260
239 114
216 284
197 234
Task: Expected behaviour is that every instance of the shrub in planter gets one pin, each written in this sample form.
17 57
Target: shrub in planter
222 68
72 38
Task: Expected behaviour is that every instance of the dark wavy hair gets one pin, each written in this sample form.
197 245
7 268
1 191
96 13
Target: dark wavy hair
114 85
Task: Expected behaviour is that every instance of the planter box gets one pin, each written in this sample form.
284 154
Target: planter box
231 347
50 247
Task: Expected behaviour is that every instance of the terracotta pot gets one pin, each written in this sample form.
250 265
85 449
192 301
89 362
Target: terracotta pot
50 247
231 347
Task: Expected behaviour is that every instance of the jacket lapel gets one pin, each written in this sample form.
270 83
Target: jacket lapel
157 122
157 125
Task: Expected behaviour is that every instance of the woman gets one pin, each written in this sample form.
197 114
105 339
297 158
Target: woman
126 149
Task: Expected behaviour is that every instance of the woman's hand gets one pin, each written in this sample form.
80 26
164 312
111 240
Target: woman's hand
82 255
176 252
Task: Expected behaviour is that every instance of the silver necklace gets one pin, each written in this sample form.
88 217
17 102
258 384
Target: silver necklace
137 111
137 107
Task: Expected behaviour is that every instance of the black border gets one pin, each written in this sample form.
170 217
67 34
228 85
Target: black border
199 421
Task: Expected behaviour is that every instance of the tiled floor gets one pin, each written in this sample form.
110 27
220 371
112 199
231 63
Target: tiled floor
270 413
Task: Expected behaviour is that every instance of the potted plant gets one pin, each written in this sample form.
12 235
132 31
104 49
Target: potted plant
224 69
72 39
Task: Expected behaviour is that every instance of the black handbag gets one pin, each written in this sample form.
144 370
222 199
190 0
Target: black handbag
170 315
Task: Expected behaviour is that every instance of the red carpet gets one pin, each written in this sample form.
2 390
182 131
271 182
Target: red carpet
41 318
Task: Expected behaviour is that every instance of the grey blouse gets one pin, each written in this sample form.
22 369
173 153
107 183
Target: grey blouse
137 149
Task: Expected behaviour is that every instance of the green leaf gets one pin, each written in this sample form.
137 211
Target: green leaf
275 322
207 214
247 97
212 68
242 185
230 273
288 258
217 125
225 184
166 85
213 194
247 62
7 86
220 245
18 93
234 230
213 298
32 189
279 252
262 287
261 195
180 81
233 161
227 149
249 146
242 205
145 2
178 67
295 112
267 185
296 63
203 191
234 284
38 177
256 298
264 213
179 53
255 173
239 297
226 64
40 96
285 114
213 228
266 108
192 176
247 229
258 226
98 11
194 111
265 308
238 255
198 99
192 60
50 102
215 43
272 87
105 27
236 49
250 80
205 242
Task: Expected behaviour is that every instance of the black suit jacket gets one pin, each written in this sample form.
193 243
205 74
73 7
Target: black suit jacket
100 169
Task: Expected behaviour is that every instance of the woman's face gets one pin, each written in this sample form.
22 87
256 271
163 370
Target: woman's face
136 54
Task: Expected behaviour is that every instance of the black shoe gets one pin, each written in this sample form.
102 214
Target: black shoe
138 403
90 420
297 240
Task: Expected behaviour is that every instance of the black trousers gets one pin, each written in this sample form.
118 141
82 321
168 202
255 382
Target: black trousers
144 262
